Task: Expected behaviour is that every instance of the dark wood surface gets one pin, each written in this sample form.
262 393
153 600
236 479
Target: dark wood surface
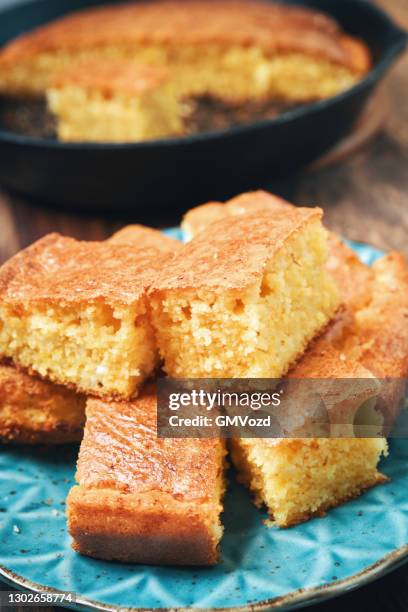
365 197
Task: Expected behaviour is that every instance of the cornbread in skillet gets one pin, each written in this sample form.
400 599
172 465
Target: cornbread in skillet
141 498
244 298
112 100
142 236
76 313
350 275
232 49
33 411
300 478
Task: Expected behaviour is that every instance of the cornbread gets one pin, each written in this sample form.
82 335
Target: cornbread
198 218
33 411
76 313
350 275
141 498
380 339
244 298
300 478
143 237
232 49
112 100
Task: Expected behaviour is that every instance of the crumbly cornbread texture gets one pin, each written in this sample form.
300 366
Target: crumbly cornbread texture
142 237
234 49
76 313
300 478
350 275
245 297
112 100
33 411
141 498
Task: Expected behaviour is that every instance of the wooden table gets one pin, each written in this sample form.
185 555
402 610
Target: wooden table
365 198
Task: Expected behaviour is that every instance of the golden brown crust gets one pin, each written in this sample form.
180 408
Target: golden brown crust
369 339
324 359
351 276
33 411
274 28
104 461
232 253
382 332
198 218
58 269
374 336
143 237
111 76
383 324
152 528
141 498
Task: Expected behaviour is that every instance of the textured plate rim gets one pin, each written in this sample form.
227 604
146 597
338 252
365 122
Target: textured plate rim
290 601
293 600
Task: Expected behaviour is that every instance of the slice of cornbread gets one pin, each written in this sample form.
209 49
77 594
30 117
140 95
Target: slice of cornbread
233 49
33 411
198 218
142 236
380 339
245 297
350 275
76 313
300 478
112 100
141 498
353 278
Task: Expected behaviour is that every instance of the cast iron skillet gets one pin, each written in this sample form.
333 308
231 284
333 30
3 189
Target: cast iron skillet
170 174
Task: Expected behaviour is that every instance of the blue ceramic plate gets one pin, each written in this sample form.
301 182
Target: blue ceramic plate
261 567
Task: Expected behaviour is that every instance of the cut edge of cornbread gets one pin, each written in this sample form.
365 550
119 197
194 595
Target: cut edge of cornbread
298 479
213 320
231 49
241 74
69 314
112 100
351 276
33 411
